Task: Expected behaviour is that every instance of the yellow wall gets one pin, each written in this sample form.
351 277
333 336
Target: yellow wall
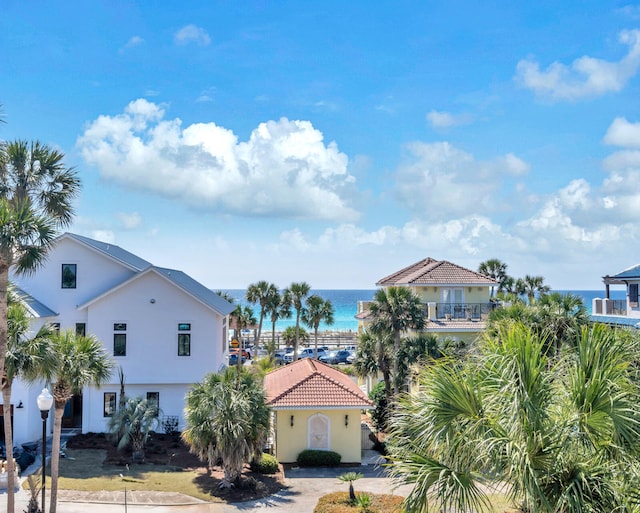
471 294
290 441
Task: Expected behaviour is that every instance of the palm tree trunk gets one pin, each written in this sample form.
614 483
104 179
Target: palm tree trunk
315 335
8 441
296 343
272 349
396 362
55 452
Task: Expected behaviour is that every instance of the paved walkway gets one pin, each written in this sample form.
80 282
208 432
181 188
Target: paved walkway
303 488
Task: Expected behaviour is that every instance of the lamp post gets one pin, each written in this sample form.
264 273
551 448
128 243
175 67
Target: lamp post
45 401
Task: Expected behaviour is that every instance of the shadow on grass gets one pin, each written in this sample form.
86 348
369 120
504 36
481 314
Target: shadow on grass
252 486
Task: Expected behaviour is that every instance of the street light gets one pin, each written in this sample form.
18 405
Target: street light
45 401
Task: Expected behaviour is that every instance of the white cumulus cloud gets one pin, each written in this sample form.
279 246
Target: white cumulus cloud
622 133
285 169
440 119
440 181
192 34
586 77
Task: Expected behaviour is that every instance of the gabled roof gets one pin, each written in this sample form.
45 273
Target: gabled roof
632 273
180 280
197 289
308 383
112 251
435 272
35 307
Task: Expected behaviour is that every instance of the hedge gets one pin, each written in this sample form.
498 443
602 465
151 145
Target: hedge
317 458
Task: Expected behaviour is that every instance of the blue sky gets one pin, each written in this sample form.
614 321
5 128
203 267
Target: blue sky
336 142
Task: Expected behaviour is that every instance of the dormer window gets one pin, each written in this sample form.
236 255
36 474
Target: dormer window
69 274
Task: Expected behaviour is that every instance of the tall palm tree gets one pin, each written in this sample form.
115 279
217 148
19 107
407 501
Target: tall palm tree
562 316
396 310
317 310
36 192
27 358
495 269
564 436
294 296
276 309
82 361
227 419
243 316
261 293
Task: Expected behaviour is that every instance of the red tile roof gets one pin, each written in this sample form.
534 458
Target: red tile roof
435 272
308 383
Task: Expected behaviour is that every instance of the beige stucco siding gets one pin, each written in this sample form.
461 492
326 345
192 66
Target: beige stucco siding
291 440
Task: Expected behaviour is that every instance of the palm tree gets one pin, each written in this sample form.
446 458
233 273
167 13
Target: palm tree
36 192
82 361
396 310
261 293
294 296
290 334
350 477
132 424
563 436
27 358
276 309
531 286
562 316
243 316
227 419
495 269
317 310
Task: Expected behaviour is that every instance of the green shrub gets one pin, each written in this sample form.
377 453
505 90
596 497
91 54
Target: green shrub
316 458
379 414
266 465
339 502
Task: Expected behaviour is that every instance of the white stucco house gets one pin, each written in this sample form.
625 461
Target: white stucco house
163 328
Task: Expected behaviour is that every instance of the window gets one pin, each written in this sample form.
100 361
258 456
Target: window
184 339
633 295
119 339
119 344
109 404
153 400
81 329
69 273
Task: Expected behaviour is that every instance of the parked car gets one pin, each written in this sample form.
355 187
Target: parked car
335 357
233 359
280 354
245 353
307 352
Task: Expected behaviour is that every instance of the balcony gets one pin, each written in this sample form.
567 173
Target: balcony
609 307
463 311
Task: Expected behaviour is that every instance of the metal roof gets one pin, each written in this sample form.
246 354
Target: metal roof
196 289
617 320
629 274
113 251
36 308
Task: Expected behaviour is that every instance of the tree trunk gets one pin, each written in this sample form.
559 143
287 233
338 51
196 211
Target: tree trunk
8 441
55 453
315 336
296 342
396 362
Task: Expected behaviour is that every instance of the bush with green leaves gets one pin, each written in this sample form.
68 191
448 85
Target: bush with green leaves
267 464
379 412
317 458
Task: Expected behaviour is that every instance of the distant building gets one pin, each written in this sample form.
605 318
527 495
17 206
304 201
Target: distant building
456 300
620 312
163 328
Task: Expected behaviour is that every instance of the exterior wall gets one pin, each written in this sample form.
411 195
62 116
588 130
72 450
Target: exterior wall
95 275
291 440
152 332
171 403
475 294
27 423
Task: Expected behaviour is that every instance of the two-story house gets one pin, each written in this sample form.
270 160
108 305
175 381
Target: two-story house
456 300
622 312
161 327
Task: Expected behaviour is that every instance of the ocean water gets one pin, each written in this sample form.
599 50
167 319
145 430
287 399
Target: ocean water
345 304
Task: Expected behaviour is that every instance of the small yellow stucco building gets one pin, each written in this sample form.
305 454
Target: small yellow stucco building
315 407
